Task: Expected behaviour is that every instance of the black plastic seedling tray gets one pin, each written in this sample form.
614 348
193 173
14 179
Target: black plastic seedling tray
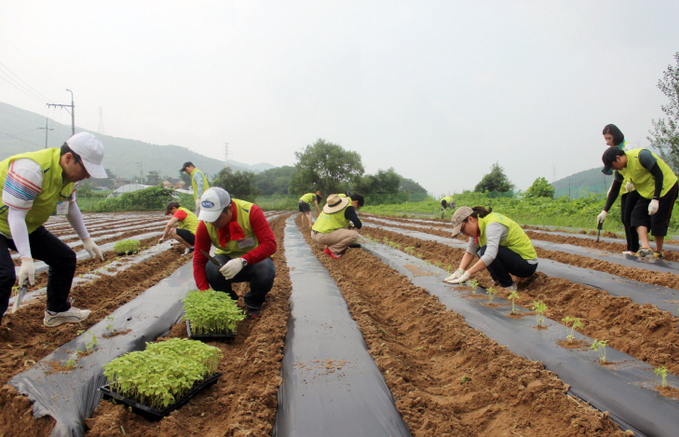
153 414
210 337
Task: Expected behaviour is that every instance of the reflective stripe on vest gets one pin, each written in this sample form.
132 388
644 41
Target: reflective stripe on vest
53 188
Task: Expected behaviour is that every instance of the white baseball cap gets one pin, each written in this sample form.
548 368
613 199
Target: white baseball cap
91 151
212 203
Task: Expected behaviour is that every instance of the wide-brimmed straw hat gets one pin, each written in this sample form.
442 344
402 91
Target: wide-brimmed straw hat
335 203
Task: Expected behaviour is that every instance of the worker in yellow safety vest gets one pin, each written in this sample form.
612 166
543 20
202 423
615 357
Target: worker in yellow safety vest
656 184
181 227
36 185
305 205
332 226
503 247
198 182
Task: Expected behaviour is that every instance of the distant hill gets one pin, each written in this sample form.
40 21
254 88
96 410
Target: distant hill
583 183
24 131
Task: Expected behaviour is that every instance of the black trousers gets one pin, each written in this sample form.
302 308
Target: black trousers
55 253
507 261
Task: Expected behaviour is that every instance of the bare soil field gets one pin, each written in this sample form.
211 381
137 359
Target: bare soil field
448 379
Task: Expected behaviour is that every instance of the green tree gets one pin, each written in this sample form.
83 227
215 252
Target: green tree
665 134
325 166
410 186
274 180
153 178
186 178
240 185
496 180
541 188
383 182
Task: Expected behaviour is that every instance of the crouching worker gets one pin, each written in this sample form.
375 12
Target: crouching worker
181 227
503 247
331 227
34 186
244 244
447 202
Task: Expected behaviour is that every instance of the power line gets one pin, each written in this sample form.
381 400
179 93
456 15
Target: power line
19 84
20 139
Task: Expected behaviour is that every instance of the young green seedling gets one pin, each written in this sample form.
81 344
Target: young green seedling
491 292
91 345
70 364
438 266
539 307
662 371
576 323
473 283
513 295
109 327
600 347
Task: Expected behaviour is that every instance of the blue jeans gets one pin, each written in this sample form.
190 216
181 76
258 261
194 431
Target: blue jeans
506 262
55 253
260 276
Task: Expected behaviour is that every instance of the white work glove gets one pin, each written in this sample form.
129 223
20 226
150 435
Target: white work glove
160 240
629 187
653 206
456 274
231 268
464 278
601 217
27 271
92 248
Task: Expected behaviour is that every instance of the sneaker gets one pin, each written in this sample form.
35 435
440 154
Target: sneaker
658 256
511 287
645 253
188 250
629 253
355 246
73 315
252 313
330 254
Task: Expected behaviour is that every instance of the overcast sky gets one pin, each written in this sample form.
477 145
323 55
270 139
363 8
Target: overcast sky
438 90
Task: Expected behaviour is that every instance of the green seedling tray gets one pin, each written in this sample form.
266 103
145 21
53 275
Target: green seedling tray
153 414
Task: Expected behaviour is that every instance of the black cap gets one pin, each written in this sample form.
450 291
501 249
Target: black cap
171 204
609 156
186 164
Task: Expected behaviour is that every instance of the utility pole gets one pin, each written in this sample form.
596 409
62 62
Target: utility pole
226 155
72 106
101 122
46 130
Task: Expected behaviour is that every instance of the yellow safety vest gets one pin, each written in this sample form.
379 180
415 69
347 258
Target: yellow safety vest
642 179
53 188
195 186
308 198
326 223
190 223
517 241
235 249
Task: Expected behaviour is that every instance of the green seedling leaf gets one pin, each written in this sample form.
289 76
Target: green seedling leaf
491 292
474 284
539 307
575 323
600 347
662 371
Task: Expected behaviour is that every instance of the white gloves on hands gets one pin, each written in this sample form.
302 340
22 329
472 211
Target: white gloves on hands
464 278
27 271
456 274
160 240
92 248
629 187
601 217
653 206
231 268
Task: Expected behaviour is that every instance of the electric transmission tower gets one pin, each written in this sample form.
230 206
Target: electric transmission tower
101 122
226 155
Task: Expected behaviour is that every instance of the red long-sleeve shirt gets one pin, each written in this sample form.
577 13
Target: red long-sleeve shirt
267 244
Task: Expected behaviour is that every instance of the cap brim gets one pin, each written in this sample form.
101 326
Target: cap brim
96 171
209 216
456 230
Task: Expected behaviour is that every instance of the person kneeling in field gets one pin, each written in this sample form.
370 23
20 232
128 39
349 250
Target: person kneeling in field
331 227
657 186
503 247
181 227
244 244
